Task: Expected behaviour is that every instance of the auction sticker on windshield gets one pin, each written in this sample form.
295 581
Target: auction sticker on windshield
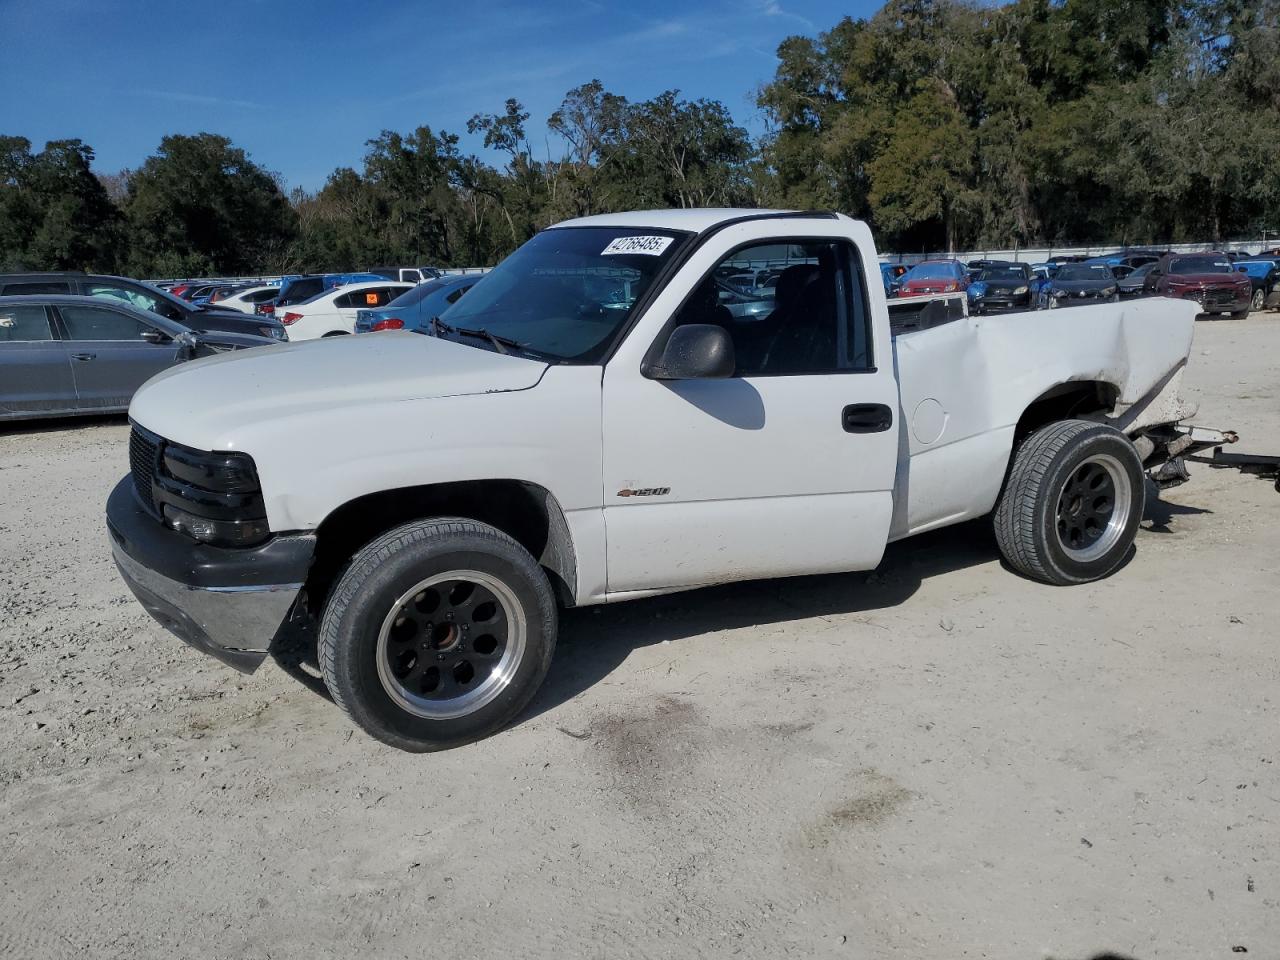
653 246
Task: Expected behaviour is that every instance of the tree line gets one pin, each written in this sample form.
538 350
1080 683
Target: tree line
944 123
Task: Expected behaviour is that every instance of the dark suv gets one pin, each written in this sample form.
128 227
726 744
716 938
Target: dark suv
141 295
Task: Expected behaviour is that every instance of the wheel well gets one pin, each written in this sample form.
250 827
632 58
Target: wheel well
526 512
1066 401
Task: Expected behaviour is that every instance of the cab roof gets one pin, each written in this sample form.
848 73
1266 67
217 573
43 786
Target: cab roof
694 220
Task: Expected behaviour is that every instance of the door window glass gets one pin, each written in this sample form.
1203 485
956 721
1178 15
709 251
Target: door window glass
135 298
36 288
790 307
24 324
100 323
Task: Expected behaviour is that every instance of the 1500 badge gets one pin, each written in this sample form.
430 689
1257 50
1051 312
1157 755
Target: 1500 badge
645 492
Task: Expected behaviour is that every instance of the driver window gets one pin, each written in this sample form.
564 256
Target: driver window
100 323
791 307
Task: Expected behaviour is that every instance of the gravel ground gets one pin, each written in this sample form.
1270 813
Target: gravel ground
938 759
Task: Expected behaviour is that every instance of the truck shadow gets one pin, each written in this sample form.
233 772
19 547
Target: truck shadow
594 641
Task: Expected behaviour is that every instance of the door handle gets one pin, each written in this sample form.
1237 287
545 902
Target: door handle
84 356
866 418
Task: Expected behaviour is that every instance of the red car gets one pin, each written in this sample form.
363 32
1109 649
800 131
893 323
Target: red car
934 276
1210 279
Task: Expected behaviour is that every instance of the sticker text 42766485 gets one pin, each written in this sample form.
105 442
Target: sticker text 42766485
653 246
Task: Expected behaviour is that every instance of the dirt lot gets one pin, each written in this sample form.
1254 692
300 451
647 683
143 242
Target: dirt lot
935 760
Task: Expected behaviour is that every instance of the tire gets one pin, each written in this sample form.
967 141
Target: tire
336 333
1050 522
1258 300
437 634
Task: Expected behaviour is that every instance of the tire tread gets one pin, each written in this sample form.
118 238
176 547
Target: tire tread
350 582
1015 516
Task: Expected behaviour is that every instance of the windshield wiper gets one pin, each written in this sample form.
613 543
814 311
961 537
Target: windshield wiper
500 343
438 326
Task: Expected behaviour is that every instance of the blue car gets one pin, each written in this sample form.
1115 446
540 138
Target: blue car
413 309
1265 277
332 280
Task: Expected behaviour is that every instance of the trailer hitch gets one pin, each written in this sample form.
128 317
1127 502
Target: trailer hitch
1262 465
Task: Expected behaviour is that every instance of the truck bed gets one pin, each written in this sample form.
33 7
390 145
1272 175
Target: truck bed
964 382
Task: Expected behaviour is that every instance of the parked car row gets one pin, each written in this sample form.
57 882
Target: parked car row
1221 283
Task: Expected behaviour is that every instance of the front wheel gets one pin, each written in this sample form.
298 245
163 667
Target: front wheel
1259 298
1070 508
437 634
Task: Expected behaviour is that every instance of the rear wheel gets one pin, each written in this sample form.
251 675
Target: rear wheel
438 633
1071 506
1259 298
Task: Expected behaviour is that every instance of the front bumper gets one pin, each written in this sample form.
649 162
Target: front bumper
228 603
999 302
1219 301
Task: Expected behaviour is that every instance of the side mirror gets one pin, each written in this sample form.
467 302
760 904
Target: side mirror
188 345
154 336
695 351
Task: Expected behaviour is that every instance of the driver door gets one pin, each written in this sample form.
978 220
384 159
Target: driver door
788 466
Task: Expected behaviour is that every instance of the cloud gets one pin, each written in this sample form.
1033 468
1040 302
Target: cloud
179 97
771 8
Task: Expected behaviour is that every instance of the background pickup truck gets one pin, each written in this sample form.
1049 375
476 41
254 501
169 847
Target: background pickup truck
593 423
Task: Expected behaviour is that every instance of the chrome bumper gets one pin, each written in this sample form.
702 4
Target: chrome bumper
208 598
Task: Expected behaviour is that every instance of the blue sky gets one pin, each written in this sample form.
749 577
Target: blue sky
302 86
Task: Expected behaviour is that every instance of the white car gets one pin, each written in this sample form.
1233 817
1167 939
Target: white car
590 424
246 301
333 312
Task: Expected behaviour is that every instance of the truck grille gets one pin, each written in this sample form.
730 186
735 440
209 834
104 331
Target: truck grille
144 460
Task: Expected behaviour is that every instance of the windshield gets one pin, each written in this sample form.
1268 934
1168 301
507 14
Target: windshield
1187 265
415 294
299 289
932 271
1096 272
1003 275
568 292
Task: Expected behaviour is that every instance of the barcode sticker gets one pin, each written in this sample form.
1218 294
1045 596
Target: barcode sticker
652 246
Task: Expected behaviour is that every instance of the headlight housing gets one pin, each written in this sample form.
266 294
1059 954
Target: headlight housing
1019 291
212 497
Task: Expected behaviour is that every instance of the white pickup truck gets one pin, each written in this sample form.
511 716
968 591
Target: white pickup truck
615 412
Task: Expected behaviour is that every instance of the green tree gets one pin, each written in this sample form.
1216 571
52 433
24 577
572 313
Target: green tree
54 213
201 206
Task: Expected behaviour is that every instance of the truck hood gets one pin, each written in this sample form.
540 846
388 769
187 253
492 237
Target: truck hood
208 403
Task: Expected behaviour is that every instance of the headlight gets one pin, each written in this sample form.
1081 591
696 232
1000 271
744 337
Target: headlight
212 497
223 533
1019 291
1110 291
1057 293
